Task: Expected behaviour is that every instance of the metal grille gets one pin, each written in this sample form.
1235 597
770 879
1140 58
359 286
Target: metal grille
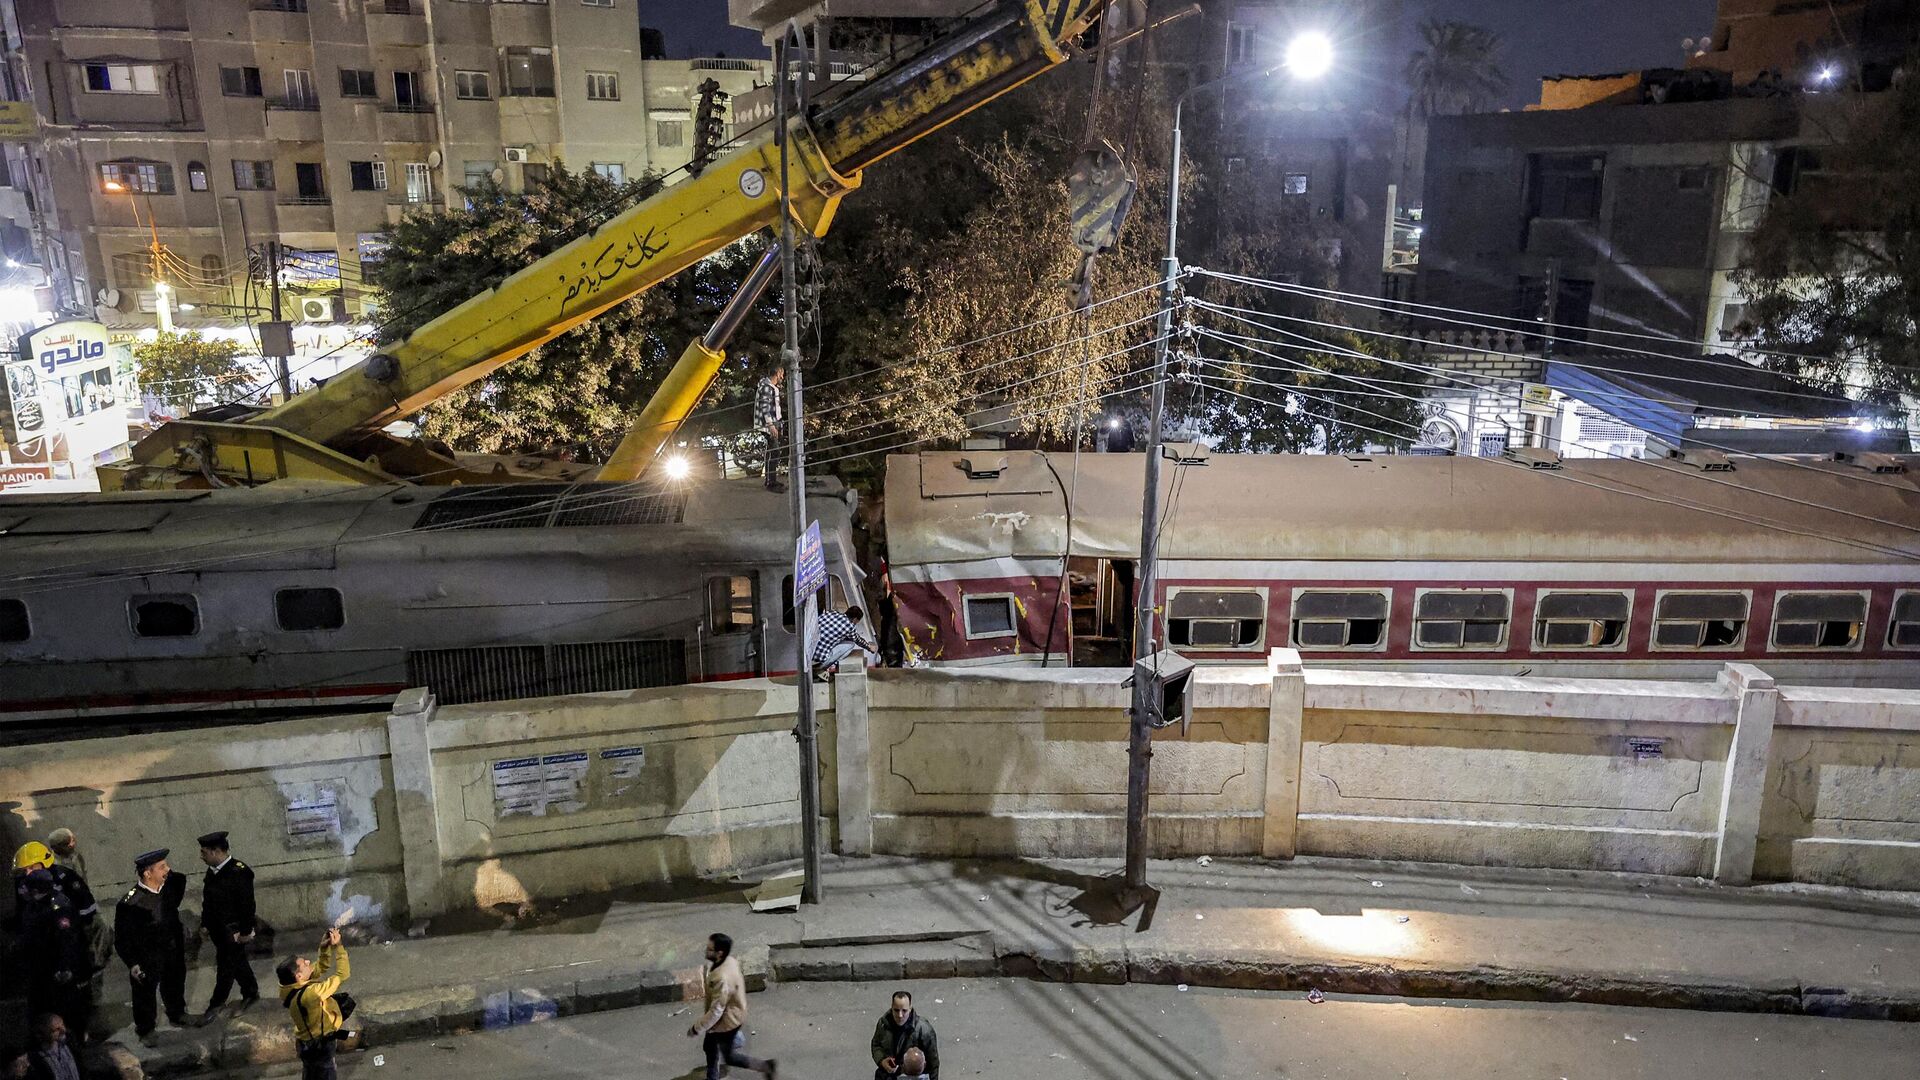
536 506
507 672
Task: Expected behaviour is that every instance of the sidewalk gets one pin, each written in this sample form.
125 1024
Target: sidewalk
1338 925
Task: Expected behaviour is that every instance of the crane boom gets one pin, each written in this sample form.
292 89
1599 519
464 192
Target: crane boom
333 432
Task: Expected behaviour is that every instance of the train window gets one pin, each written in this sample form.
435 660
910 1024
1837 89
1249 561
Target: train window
1216 618
1461 620
1699 620
1582 620
729 604
1903 629
990 616
309 609
165 615
13 621
1819 620
1326 619
822 600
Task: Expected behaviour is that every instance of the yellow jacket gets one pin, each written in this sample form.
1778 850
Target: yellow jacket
310 1003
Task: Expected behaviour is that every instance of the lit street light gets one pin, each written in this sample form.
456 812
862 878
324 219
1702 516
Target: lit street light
162 292
1308 56
678 468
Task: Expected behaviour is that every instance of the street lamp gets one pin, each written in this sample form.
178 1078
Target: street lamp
162 292
1308 56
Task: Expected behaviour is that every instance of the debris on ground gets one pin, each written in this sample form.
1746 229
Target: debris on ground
1633 1038
1470 890
1400 918
1378 884
379 1060
1206 860
780 893
1182 987
1314 995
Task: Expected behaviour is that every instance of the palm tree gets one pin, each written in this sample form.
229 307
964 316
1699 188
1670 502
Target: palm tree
1456 70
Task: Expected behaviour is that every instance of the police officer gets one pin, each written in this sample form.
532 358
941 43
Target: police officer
149 937
226 914
35 855
54 952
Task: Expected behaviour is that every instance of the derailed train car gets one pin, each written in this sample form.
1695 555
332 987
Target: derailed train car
1603 568
255 601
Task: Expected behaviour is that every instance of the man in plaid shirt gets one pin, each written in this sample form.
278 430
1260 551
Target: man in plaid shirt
835 635
766 416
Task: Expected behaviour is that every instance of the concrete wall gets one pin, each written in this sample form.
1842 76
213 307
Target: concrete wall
432 809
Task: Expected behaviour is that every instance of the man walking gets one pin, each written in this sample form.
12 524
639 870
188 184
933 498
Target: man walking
226 914
836 635
148 935
724 1023
899 1030
766 417
318 1007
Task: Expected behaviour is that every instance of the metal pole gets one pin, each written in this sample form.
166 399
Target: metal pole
273 273
805 732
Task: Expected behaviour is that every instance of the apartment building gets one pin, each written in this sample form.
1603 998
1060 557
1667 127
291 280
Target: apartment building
215 126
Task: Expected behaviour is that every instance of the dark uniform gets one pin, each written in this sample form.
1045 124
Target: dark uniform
147 933
53 940
226 913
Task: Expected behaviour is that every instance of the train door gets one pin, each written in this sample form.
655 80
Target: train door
731 637
1099 594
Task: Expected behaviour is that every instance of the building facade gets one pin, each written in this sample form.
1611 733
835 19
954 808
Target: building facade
208 128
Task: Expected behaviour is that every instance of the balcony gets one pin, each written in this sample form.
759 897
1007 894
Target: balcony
279 20
398 205
293 119
305 213
397 23
407 123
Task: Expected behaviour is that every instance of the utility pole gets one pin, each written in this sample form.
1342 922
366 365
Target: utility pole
273 276
805 732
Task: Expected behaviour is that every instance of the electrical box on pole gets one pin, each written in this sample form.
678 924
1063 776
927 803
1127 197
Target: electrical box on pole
709 128
1163 689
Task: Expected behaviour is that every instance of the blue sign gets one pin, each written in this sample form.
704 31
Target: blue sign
809 565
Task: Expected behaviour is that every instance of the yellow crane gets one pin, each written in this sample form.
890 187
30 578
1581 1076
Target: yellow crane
334 432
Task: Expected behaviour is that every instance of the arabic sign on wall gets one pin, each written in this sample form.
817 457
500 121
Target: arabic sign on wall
62 400
17 121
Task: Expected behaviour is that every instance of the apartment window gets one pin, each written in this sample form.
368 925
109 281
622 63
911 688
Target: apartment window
1242 41
1903 626
1699 620
1582 620
299 85
1216 618
368 175
407 93
603 86
669 132
990 616
1463 619
730 604
419 182
399 7
164 615
122 79
13 621
146 177
1295 183
1693 178
532 177
472 85
196 176
213 268
597 3
253 175
1566 186
132 269
309 609
612 170
478 173
310 181
357 83
1329 619
526 71
1819 620
240 81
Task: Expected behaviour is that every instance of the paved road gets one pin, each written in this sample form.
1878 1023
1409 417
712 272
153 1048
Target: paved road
1021 1030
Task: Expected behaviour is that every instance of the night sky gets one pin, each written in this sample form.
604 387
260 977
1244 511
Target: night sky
1542 37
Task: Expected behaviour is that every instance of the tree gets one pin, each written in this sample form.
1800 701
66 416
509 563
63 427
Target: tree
1832 272
1455 70
580 391
183 371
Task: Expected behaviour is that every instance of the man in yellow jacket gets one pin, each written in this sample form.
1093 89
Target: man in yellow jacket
319 1009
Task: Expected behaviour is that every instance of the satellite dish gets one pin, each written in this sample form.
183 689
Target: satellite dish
110 297
1686 44
498 174
433 159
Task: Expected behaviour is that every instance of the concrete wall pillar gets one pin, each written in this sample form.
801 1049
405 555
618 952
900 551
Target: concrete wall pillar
1744 788
1286 714
413 796
852 698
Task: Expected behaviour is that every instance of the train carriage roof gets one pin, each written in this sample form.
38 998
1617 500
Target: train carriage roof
962 506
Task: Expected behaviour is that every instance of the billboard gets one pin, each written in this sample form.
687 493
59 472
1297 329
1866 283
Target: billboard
61 388
17 122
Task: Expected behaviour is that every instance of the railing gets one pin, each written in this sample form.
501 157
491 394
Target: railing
294 104
306 200
412 107
397 7
725 63
399 198
280 5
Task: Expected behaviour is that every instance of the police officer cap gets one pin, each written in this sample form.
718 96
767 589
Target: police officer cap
215 840
141 862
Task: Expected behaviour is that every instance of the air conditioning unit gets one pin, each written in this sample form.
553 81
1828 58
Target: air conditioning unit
520 154
321 309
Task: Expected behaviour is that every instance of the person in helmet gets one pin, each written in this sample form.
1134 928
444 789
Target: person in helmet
34 855
53 951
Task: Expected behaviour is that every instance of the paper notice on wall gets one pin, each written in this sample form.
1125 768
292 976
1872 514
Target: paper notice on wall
314 819
624 765
537 786
566 781
1646 749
